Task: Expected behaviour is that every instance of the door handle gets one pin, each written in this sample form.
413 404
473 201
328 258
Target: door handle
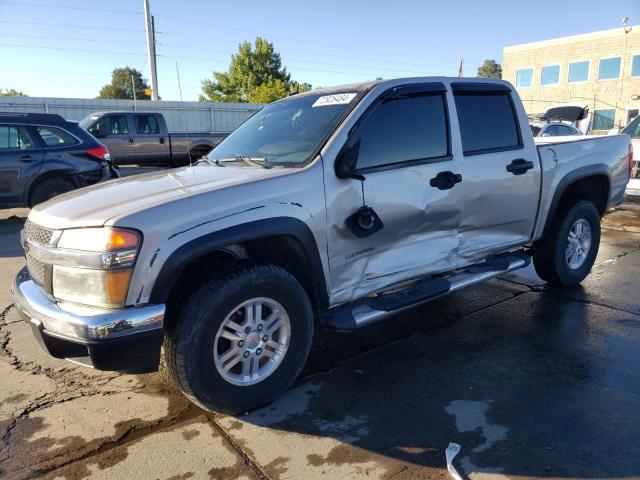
519 166
445 180
162 140
27 158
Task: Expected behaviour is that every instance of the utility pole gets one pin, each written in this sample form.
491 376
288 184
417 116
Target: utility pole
151 50
133 89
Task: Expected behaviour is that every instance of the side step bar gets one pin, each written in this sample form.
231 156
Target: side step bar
355 315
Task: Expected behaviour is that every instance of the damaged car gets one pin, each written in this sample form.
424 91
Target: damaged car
335 208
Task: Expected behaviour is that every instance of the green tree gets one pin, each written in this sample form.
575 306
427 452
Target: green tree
120 86
12 92
490 69
255 75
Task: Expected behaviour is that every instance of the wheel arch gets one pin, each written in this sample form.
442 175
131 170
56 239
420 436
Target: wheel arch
284 241
591 183
56 174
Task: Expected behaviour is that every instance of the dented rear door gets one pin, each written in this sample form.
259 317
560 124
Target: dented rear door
500 167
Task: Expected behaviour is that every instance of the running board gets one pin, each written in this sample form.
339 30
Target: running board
355 315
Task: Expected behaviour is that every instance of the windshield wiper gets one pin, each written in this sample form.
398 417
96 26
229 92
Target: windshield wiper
206 159
253 161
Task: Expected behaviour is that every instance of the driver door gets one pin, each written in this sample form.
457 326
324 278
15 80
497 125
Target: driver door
404 154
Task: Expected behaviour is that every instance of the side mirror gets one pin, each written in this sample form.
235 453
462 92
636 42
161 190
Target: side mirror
546 134
345 165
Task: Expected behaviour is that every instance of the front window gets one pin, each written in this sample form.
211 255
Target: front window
287 132
609 68
633 129
524 77
550 75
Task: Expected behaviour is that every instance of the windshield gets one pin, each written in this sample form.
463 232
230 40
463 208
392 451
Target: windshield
86 121
633 129
285 133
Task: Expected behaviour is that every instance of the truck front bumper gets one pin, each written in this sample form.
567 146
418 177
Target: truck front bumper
124 340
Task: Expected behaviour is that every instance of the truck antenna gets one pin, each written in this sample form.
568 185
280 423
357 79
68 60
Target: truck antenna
184 113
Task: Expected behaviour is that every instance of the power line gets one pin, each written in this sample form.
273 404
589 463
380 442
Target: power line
307 52
89 9
66 25
41 37
299 40
68 49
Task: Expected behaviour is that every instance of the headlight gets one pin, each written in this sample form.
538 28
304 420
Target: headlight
97 267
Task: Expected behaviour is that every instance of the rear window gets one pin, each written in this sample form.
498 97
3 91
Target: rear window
488 122
147 125
55 137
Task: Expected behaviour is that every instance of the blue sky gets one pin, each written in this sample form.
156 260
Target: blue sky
66 48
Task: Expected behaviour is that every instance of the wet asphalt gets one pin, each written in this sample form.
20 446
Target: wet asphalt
530 381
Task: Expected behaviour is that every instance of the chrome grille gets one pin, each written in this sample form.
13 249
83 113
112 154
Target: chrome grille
39 272
37 234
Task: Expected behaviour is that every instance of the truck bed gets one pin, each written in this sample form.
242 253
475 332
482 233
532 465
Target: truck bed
562 158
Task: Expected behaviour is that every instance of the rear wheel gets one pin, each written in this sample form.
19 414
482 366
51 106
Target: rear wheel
50 188
240 340
568 251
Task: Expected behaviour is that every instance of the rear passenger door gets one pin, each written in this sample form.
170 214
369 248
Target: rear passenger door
21 158
501 170
151 144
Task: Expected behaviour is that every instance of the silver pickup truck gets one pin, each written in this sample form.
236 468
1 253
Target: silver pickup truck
142 138
335 209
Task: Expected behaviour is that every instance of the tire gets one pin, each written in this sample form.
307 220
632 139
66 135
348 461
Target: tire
47 189
193 347
550 253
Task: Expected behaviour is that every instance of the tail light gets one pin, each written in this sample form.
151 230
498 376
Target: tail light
630 159
101 153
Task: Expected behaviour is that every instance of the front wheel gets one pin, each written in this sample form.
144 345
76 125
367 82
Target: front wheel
241 339
567 252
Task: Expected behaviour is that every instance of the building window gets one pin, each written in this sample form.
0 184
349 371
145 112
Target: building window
550 75
578 72
604 119
524 77
609 68
635 66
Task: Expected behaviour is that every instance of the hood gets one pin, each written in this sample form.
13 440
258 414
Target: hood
96 205
566 113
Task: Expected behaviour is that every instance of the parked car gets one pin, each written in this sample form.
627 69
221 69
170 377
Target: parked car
142 138
553 129
335 208
44 155
562 120
633 130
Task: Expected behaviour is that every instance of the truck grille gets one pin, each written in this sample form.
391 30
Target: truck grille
37 234
39 272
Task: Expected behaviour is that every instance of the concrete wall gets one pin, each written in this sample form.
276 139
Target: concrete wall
180 116
597 94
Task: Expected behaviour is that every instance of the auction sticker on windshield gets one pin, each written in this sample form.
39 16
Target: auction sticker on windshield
337 99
